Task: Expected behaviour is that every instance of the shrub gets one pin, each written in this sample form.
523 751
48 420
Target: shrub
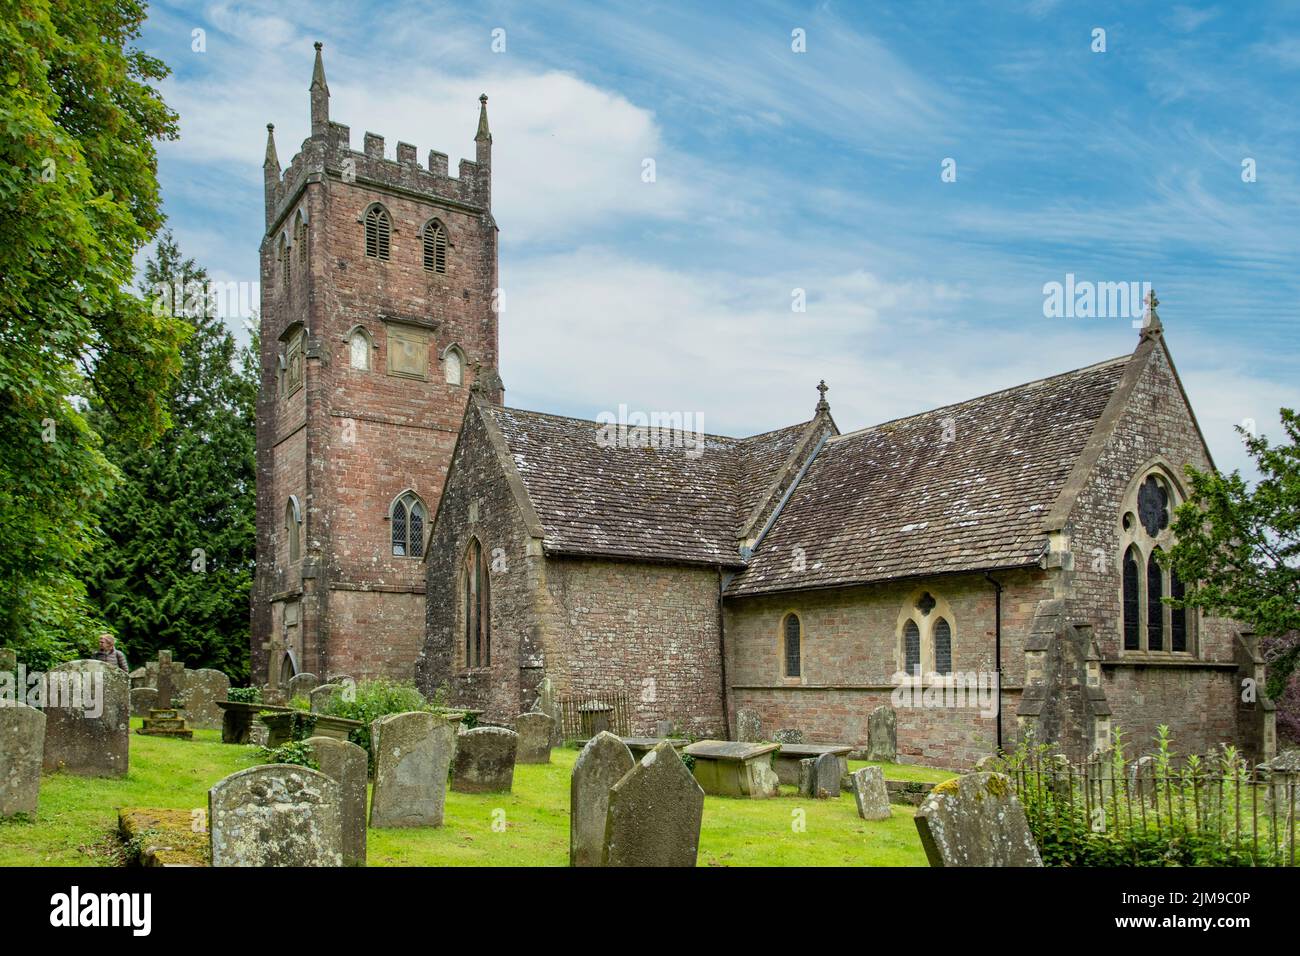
295 752
377 698
245 695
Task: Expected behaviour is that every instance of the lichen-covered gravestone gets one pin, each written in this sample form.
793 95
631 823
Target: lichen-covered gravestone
788 735
321 697
203 688
412 753
143 700
22 748
345 763
654 814
300 685
807 777
276 815
882 735
976 820
749 727
603 762
88 719
826 776
535 731
870 793
485 760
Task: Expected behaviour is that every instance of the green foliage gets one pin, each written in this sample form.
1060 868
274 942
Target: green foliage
176 565
78 199
245 695
295 752
378 698
1241 546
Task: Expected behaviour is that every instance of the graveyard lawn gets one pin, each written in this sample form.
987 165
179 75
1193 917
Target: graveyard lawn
77 819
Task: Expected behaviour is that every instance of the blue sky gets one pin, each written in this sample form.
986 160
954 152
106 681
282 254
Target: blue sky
820 171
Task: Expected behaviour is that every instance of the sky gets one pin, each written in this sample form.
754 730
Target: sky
916 174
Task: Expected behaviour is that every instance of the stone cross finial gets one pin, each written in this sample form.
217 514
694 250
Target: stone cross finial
822 404
1151 325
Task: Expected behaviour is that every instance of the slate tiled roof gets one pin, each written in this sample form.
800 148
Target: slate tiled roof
657 504
904 498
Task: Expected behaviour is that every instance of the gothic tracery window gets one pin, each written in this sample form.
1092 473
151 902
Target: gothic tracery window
407 530
1147 622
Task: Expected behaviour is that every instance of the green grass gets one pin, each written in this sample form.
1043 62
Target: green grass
905 771
77 818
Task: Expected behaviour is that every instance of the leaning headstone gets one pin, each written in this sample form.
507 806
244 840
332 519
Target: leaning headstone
321 696
882 735
22 748
976 820
276 815
485 760
203 688
826 776
534 738
88 719
143 700
807 776
870 793
749 727
412 754
346 764
603 762
300 685
788 735
654 814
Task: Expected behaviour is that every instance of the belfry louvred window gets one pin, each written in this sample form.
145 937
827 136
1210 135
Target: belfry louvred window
378 231
435 247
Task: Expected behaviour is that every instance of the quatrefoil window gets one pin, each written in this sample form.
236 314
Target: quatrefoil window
926 604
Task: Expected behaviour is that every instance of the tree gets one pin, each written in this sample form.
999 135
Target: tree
176 568
1241 547
78 198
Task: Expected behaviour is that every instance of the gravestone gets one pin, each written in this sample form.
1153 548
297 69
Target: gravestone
485 760
882 735
664 728
654 814
341 679
603 762
22 748
535 731
273 692
346 764
976 820
300 685
412 754
321 696
786 761
826 776
1142 778
870 793
143 700
276 815
807 777
749 727
140 678
203 688
788 735
170 680
88 719
550 706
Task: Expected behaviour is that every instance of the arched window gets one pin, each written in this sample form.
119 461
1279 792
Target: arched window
293 528
300 237
1155 606
378 229
1132 601
359 346
476 604
407 517
911 648
942 636
793 631
284 261
435 247
453 366
1177 615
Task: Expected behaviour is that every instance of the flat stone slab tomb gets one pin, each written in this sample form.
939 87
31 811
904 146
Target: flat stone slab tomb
732 768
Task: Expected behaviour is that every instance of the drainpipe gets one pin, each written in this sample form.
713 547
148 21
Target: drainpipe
722 657
997 646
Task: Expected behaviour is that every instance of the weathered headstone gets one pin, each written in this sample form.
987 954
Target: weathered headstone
300 685
276 815
140 678
535 732
143 700
654 814
412 754
976 820
321 696
826 776
870 794
485 760
749 727
788 735
664 728
170 679
88 719
22 748
203 688
882 734
1142 778
345 763
603 762
807 777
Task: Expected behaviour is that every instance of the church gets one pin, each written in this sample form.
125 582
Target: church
986 569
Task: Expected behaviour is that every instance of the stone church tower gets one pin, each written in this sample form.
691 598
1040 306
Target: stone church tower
379 279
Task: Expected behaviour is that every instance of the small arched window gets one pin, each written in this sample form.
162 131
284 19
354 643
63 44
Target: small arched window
407 518
378 230
793 631
293 528
1132 601
476 605
359 346
911 648
435 247
942 632
453 366
285 265
300 237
